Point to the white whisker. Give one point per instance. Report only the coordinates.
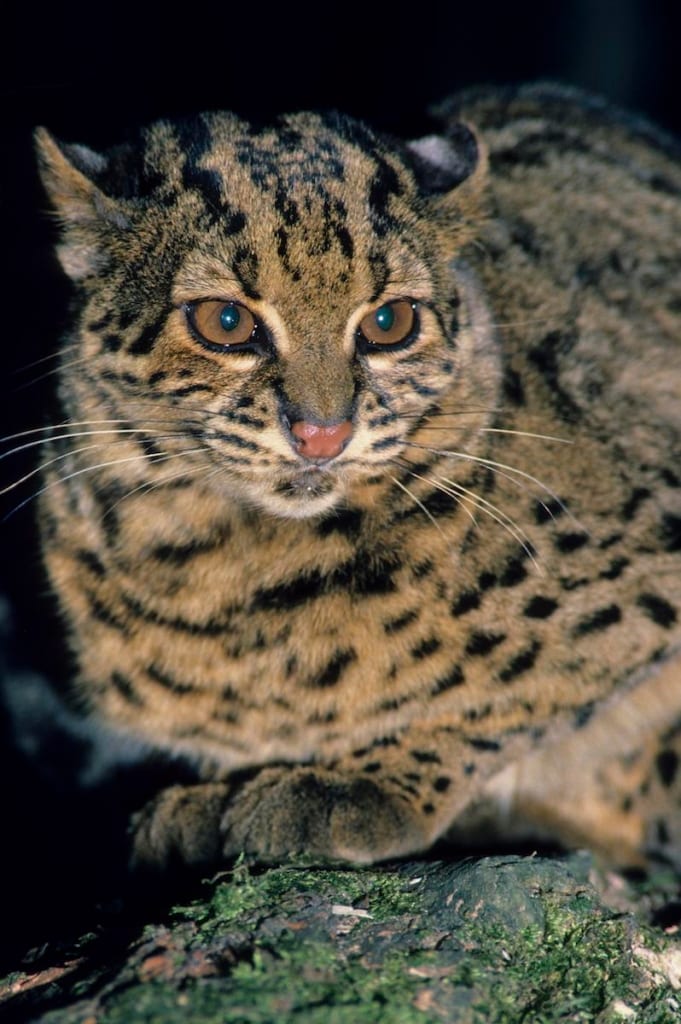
(160, 457)
(464, 494)
(501, 468)
(413, 497)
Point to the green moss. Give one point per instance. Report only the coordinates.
(491, 941)
(245, 893)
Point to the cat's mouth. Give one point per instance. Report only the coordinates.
(311, 482)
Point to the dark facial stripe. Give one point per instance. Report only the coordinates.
(146, 340)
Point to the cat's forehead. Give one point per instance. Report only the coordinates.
(302, 166)
(307, 204)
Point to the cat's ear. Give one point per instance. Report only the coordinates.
(86, 213)
(452, 173)
(443, 162)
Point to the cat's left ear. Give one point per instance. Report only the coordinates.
(69, 174)
(452, 172)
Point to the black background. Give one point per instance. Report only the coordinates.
(91, 74)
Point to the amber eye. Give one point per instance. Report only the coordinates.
(221, 325)
(391, 325)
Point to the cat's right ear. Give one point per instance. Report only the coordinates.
(85, 212)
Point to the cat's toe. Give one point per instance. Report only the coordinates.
(180, 826)
(322, 814)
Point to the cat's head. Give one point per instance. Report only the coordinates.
(282, 298)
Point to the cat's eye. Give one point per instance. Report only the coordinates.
(222, 325)
(389, 326)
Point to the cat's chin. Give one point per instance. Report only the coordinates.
(303, 496)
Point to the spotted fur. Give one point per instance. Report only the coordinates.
(467, 619)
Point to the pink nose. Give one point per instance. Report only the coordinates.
(314, 442)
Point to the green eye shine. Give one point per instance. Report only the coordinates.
(391, 324)
(230, 318)
(385, 318)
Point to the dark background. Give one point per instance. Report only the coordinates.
(89, 76)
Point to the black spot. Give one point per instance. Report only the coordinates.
(454, 677)
(180, 554)
(245, 266)
(235, 222)
(540, 607)
(372, 767)
(422, 569)
(291, 666)
(190, 389)
(289, 593)
(547, 511)
(212, 627)
(442, 784)
(156, 377)
(428, 808)
(486, 580)
(670, 532)
(513, 387)
(584, 714)
(111, 342)
(286, 207)
(615, 569)
(347, 522)
(520, 663)
(426, 756)
(483, 744)
(600, 619)
(384, 185)
(482, 643)
(466, 602)
(514, 571)
(332, 671)
(426, 647)
(393, 704)
(169, 682)
(123, 686)
(630, 507)
(146, 340)
(104, 615)
(395, 625)
(92, 562)
(567, 542)
(478, 714)
(364, 575)
(98, 325)
(656, 608)
(667, 766)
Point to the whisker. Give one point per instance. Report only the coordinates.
(160, 457)
(501, 468)
(49, 373)
(66, 424)
(501, 430)
(413, 497)
(78, 433)
(464, 494)
(151, 485)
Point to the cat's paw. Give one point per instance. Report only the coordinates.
(279, 813)
(321, 813)
(181, 826)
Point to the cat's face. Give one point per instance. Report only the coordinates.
(276, 305)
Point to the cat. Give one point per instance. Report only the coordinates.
(366, 496)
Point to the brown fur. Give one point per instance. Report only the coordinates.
(402, 643)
